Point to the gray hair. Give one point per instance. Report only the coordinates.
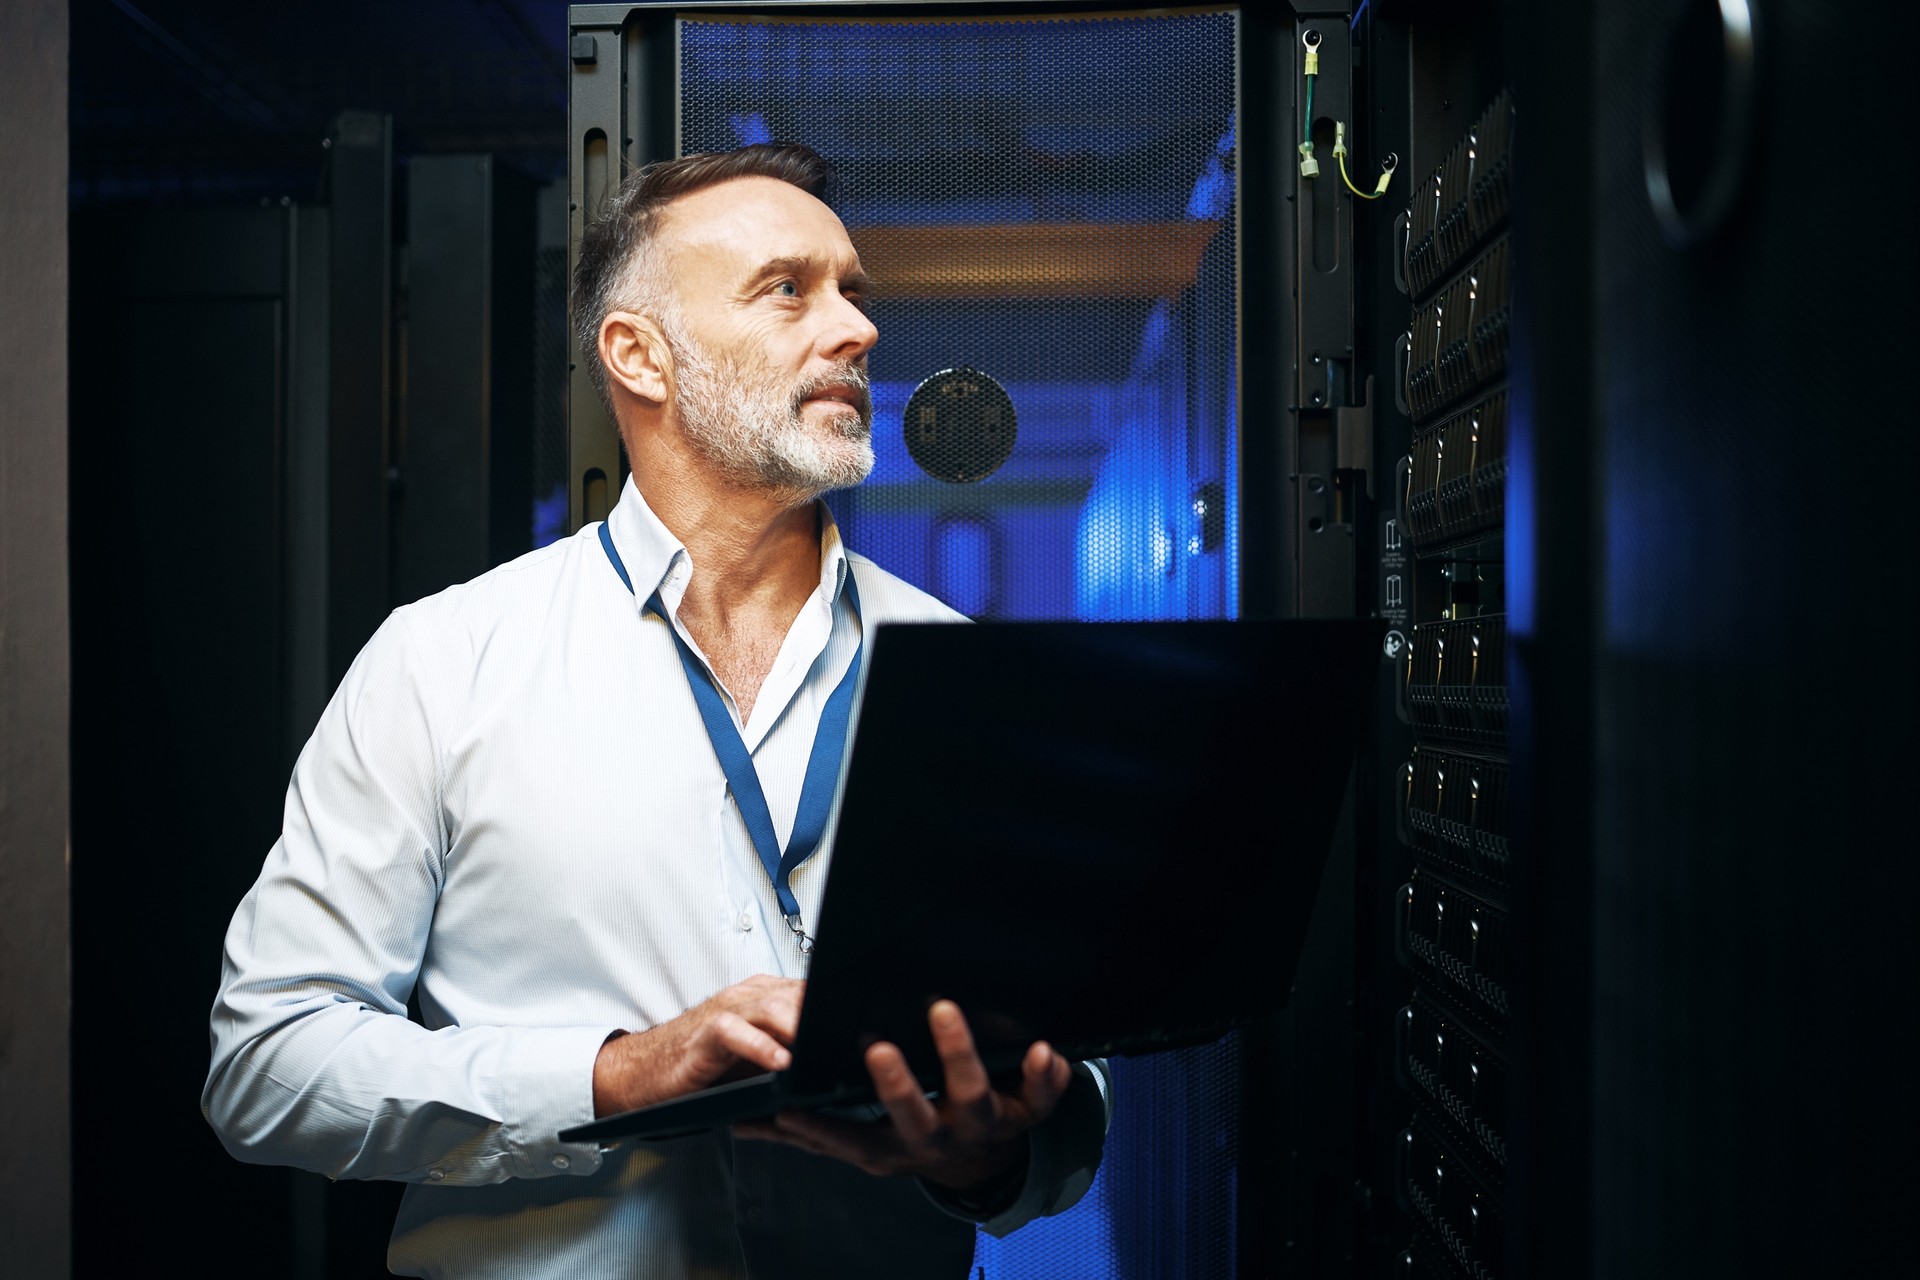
(618, 268)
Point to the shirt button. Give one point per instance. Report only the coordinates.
(746, 922)
(561, 1162)
(435, 1175)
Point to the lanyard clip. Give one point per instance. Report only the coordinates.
(800, 932)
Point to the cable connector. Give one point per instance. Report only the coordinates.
(1387, 167)
(1309, 167)
(1339, 139)
(1313, 59)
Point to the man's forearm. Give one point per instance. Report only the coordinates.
(751, 1022)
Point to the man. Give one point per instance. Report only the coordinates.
(511, 809)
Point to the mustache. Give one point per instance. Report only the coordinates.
(845, 374)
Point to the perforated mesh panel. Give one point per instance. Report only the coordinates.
(1048, 202)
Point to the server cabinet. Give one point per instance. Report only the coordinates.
(183, 526)
(464, 443)
(1745, 434)
(235, 471)
(1454, 914)
(1609, 1046)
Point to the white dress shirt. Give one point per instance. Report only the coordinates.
(511, 809)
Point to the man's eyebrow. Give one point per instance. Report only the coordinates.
(855, 280)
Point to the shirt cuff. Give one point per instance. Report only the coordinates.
(1063, 1154)
(551, 1070)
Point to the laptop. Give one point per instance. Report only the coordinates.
(1105, 835)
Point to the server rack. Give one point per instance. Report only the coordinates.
(1453, 915)
(1614, 475)
(1395, 348)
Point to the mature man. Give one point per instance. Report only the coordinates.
(511, 810)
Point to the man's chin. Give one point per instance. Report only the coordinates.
(798, 483)
(840, 450)
(853, 466)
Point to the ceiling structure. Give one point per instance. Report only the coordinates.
(189, 101)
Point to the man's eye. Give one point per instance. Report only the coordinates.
(787, 289)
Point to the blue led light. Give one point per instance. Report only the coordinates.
(1522, 550)
(965, 563)
(550, 517)
(1213, 193)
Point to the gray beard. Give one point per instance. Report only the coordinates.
(748, 425)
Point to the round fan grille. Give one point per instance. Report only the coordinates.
(959, 426)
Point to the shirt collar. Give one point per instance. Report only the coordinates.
(833, 557)
(658, 561)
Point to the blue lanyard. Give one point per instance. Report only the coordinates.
(823, 765)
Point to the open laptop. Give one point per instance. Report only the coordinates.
(1104, 835)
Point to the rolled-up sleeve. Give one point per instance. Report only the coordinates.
(315, 1061)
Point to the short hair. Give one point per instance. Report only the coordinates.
(617, 269)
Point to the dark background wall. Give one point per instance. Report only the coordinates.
(34, 1166)
(284, 451)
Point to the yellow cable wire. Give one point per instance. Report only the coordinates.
(1340, 155)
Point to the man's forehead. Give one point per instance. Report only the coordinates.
(750, 221)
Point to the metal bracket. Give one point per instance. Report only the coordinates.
(1353, 435)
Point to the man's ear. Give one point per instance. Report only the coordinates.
(635, 354)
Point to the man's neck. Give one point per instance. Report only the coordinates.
(750, 544)
(756, 561)
(751, 552)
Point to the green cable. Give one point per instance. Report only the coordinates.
(1306, 125)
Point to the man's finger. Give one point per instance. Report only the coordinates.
(772, 1004)
(914, 1118)
(967, 1084)
(1045, 1076)
(778, 1018)
(749, 1043)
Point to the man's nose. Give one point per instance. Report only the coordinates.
(850, 333)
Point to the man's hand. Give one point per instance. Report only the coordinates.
(971, 1136)
(751, 1022)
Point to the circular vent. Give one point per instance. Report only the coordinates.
(959, 426)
